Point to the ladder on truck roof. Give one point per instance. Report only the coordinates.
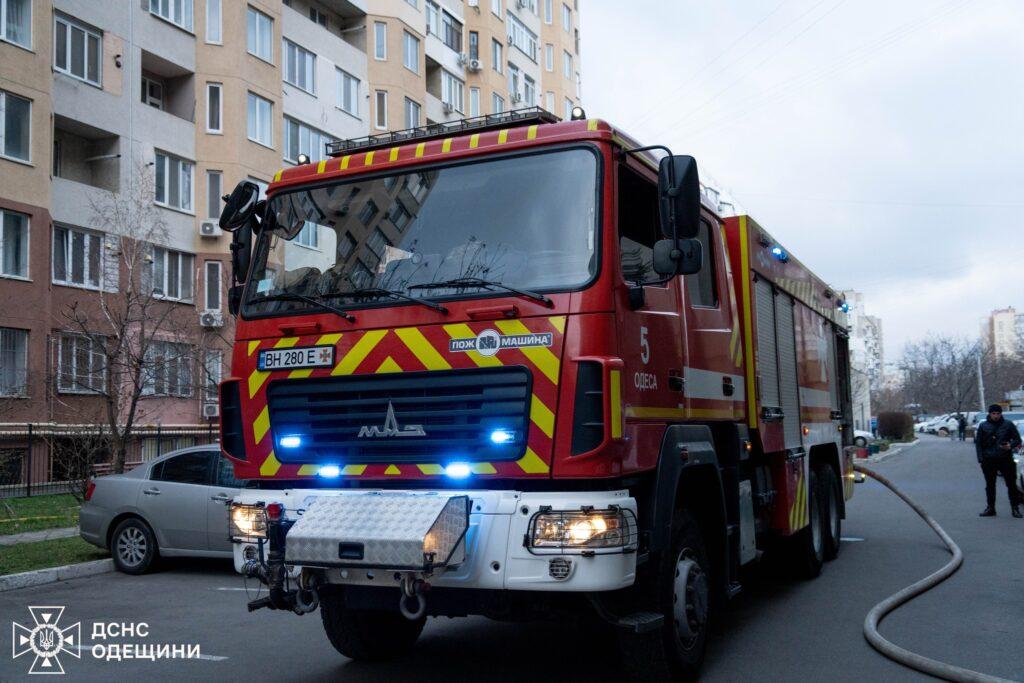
(476, 124)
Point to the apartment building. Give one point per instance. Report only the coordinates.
(170, 103)
(1003, 331)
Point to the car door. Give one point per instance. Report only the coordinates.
(174, 500)
(225, 487)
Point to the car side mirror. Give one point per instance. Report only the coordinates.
(240, 206)
(684, 258)
(679, 196)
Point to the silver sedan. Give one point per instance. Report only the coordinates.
(174, 506)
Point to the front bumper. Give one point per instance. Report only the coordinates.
(496, 556)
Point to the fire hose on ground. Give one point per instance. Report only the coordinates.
(933, 667)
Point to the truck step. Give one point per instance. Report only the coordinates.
(642, 622)
(733, 589)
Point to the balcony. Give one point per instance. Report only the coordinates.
(308, 25)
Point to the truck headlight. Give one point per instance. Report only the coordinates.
(247, 522)
(583, 529)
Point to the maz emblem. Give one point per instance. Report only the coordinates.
(391, 427)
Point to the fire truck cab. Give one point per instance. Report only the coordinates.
(519, 367)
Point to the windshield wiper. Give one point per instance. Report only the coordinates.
(363, 292)
(487, 284)
(292, 296)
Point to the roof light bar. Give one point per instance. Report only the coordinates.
(509, 119)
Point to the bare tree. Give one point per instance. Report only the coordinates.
(940, 373)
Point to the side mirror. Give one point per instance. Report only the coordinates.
(679, 196)
(241, 254)
(240, 206)
(686, 258)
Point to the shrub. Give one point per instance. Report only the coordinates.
(895, 426)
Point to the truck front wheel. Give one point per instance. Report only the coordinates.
(366, 635)
(807, 546)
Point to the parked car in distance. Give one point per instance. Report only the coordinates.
(175, 505)
(862, 438)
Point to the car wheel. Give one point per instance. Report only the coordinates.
(133, 547)
(860, 442)
(808, 545)
(366, 635)
(833, 522)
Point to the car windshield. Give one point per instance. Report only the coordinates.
(525, 222)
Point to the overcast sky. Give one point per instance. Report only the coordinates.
(882, 141)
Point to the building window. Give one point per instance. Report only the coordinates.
(16, 22)
(174, 181)
(497, 103)
(77, 257)
(260, 35)
(348, 93)
(399, 216)
(309, 236)
(381, 106)
(168, 369)
(576, 40)
(532, 6)
(302, 139)
(549, 101)
(513, 83)
(549, 57)
(211, 285)
(413, 3)
(568, 109)
(175, 11)
(13, 361)
(444, 26)
(497, 62)
(474, 101)
(77, 50)
(213, 107)
(496, 7)
(172, 274)
(213, 22)
(380, 40)
(13, 244)
(213, 370)
(317, 17)
(523, 38)
(213, 191)
(81, 365)
(15, 124)
(548, 11)
(529, 91)
(411, 52)
(368, 211)
(258, 118)
(412, 113)
(566, 18)
(299, 67)
(152, 92)
(451, 91)
(474, 45)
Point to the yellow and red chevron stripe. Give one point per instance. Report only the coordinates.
(407, 349)
(798, 511)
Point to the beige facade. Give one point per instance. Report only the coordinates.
(1003, 331)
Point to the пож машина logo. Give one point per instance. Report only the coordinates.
(46, 640)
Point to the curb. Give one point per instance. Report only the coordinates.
(893, 451)
(40, 577)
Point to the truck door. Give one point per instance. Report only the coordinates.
(649, 332)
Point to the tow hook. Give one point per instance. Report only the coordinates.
(307, 598)
(412, 604)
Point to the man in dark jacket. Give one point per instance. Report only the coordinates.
(995, 441)
(961, 425)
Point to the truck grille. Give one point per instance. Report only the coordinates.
(418, 417)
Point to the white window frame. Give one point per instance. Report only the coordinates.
(344, 81)
(20, 371)
(568, 108)
(566, 18)
(3, 24)
(219, 87)
(453, 90)
(474, 101)
(186, 12)
(73, 387)
(315, 15)
(496, 7)
(26, 229)
(497, 103)
(165, 158)
(3, 121)
(378, 123)
(214, 17)
(316, 151)
(219, 267)
(529, 91)
(293, 57)
(411, 57)
(88, 236)
(182, 356)
(549, 12)
(412, 106)
(549, 57)
(147, 98)
(213, 199)
(549, 101)
(497, 55)
(260, 20)
(73, 24)
(522, 37)
(380, 33)
(566, 64)
(260, 119)
(213, 374)
(186, 266)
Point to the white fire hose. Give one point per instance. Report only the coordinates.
(894, 652)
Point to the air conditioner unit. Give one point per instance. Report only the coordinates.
(474, 65)
(472, 3)
(211, 410)
(515, 97)
(448, 109)
(211, 319)
(463, 58)
(210, 229)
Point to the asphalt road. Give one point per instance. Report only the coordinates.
(775, 630)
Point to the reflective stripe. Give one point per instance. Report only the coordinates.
(422, 349)
(502, 136)
(531, 132)
(258, 377)
(474, 140)
(558, 322)
(592, 124)
(253, 345)
(615, 380)
(261, 425)
(446, 146)
(531, 463)
(391, 470)
(542, 416)
(420, 147)
(344, 161)
(277, 176)
(321, 166)
(308, 470)
(540, 356)
(389, 365)
(747, 322)
(368, 161)
(359, 352)
(270, 466)
(394, 154)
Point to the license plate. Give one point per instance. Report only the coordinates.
(302, 357)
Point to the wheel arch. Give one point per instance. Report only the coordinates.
(122, 516)
(827, 455)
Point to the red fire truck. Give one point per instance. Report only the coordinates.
(520, 367)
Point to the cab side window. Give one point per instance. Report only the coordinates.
(703, 285)
(638, 226)
(226, 474)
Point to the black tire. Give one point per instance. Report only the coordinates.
(943, 432)
(670, 654)
(807, 550)
(860, 442)
(833, 522)
(133, 547)
(367, 635)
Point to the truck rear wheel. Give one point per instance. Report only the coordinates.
(833, 517)
(807, 546)
(682, 592)
(367, 635)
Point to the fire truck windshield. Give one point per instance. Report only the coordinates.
(527, 222)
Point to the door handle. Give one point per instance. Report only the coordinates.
(151, 492)
(220, 498)
(727, 387)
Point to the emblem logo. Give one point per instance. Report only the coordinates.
(390, 428)
(46, 640)
(489, 342)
